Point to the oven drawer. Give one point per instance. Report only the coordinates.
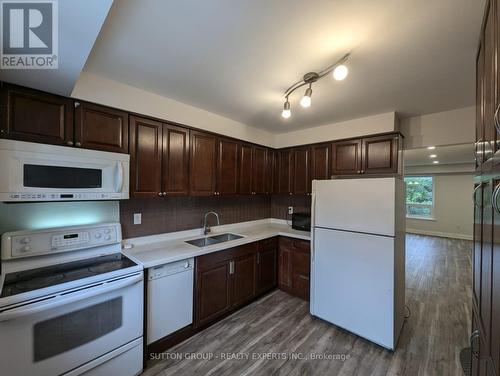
(56, 335)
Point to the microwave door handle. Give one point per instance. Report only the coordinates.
(102, 288)
(119, 177)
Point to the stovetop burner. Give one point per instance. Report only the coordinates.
(33, 279)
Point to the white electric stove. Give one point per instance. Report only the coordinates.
(70, 303)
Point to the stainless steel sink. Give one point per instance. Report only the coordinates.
(215, 239)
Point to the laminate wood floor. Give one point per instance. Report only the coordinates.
(438, 293)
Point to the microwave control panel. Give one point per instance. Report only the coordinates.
(25, 243)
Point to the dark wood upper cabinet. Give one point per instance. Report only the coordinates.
(227, 166)
(301, 170)
(284, 171)
(203, 164)
(320, 162)
(101, 128)
(380, 155)
(35, 116)
(346, 157)
(259, 164)
(175, 162)
(270, 171)
(489, 81)
(479, 108)
(145, 157)
(243, 271)
(246, 169)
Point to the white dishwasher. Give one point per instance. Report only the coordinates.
(170, 298)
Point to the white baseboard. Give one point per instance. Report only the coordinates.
(440, 234)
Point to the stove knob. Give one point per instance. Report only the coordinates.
(98, 235)
(186, 265)
(108, 237)
(26, 248)
(26, 240)
(107, 231)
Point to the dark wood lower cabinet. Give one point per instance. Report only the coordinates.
(231, 278)
(294, 267)
(244, 281)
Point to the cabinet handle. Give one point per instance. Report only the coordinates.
(495, 119)
(160, 194)
(474, 194)
(69, 143)
(362, 171)
(475, 335)
(164, 193)
(494, 198)
(77, 104)
(78, 144)
(231, 267)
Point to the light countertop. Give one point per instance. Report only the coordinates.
(160, 249)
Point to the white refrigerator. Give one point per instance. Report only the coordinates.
(358, 256)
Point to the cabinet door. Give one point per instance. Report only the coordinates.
(175, 161)
(478, 236)
(34, 116)
(486, 265)
(266, 269)
(259, 170)
(320, 162)
(301, 262)
(380, 155)
(203, 164)
(101, 128)
(270, 171)
(489, 81)
(227, 166)
(284, 171)
(495, 293)
(285, 264)
(243, 279)
(145, 157)
(246, 169)
(212, 292)
(346, 157)
(479, 108)
(301, 173)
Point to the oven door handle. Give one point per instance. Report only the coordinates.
(71, 297)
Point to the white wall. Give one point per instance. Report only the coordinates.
(442, 128)
(386, 122)
(101, 90)
(453, 210)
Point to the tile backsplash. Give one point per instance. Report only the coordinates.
(184, 213)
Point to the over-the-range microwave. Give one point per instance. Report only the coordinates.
(39, 172)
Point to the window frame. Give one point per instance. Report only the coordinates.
(429, 217)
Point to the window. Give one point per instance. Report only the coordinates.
(419, 196)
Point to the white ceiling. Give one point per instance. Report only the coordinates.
(236, 58)
(452, 154)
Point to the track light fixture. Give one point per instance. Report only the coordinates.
(340, 72)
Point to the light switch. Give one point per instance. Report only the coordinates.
(137, 218)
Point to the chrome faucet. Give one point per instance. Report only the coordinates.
(206, 226)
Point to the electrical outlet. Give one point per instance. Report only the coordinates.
(137, 218)
(290, 210)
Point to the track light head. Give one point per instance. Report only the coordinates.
(306, 99)
(286, 110)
